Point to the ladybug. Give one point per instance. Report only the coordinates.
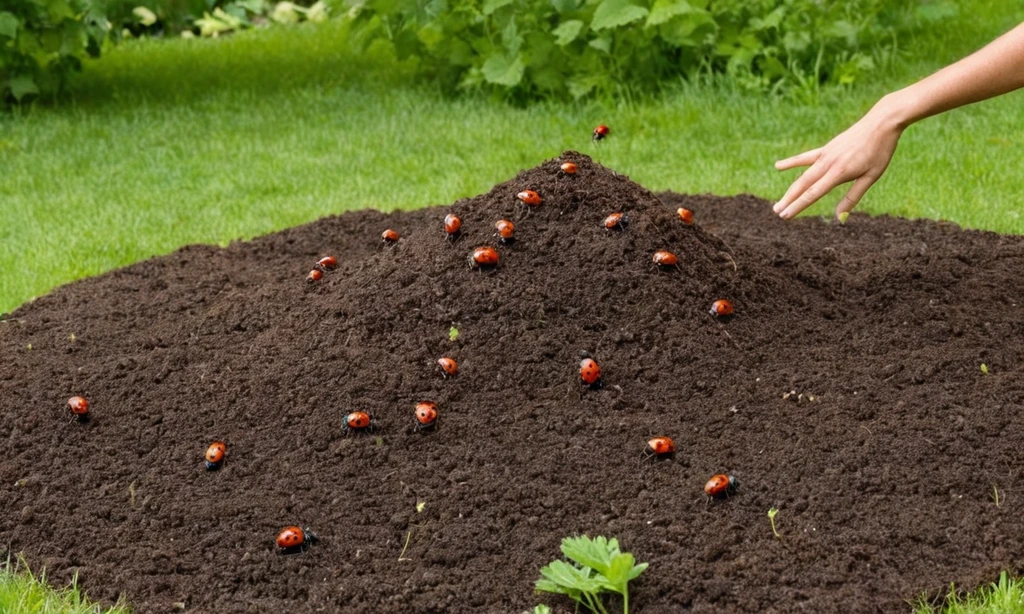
(720, 485)
(483, 256)
(616, 221)
(295, 539)
(600, 132)
(721, 308)
(569, 168)
(452, 224)
(448, 366)
(529, 197)
(685, 214)
(357, 422)
(314, 276)
(79, 407)
(389, 236)
(660, 447)
(506, 231)
(426, 415)
(327, 263)
(663, 258)
(590, 373)
(215, 455)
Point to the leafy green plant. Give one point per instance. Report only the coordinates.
(43, 41)
(599, 567)
(575, 48)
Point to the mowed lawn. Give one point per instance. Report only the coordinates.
(171, 142)
(166, 143)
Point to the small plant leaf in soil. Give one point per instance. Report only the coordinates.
(600, 567)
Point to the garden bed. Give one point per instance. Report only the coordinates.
(847, 392)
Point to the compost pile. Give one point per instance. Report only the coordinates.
(847, 392)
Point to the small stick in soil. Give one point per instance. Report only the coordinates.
(401, 557)
(995, 495)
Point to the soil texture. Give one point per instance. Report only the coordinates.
(847, 392)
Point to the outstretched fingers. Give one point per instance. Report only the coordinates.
(805, 159)
(808, 197)
(856, 192)
(800, 186)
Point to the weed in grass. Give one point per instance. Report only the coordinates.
(1005, 596)
(24, 592)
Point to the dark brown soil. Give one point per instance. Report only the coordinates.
(847, 392)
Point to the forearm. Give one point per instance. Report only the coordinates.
(995, 69)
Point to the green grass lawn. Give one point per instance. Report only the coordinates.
(176, 142)
(167, 143)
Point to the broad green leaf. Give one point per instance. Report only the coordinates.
(567, 31)
(594, 553)
(431, 34)
(637, 570)
(663, 10)
(21, 86)
(253, 6)
(500, 70)
(581, 86)
(492, 5)
(616, 13)
(565, 6)
(8, 25)
(603, 43)
(619, 570)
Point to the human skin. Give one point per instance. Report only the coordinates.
(862, 153)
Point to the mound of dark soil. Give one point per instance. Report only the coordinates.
(847, 392)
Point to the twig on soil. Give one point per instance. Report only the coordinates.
(408, 535)
(131, 493)
(731, 261)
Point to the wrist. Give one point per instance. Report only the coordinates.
(896, 110)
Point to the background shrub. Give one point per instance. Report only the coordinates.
(42, 41)
(556, 48)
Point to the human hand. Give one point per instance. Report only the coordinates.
(861, 154)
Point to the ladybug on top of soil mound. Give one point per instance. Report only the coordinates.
(452, 225)
(79, 407)
(292, 540)
(721, 309)
(660, 447)
(483, 257)
(448, 366)
(616, 221)
(568, 168)
(530, 197)
(426, 415)
(506, 231)
(590, 372)
(685, 214)
(358, 422)
(720, 485)
(215, 455)
(665, 259)
(389, 236)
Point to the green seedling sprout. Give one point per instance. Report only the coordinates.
(845, 215)
(599, 567)
(541, 609)
(995, 494)
(420, 505)
(771, 517)
(984, 368)
(453, 334)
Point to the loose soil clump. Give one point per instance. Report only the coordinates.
(846, 391)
